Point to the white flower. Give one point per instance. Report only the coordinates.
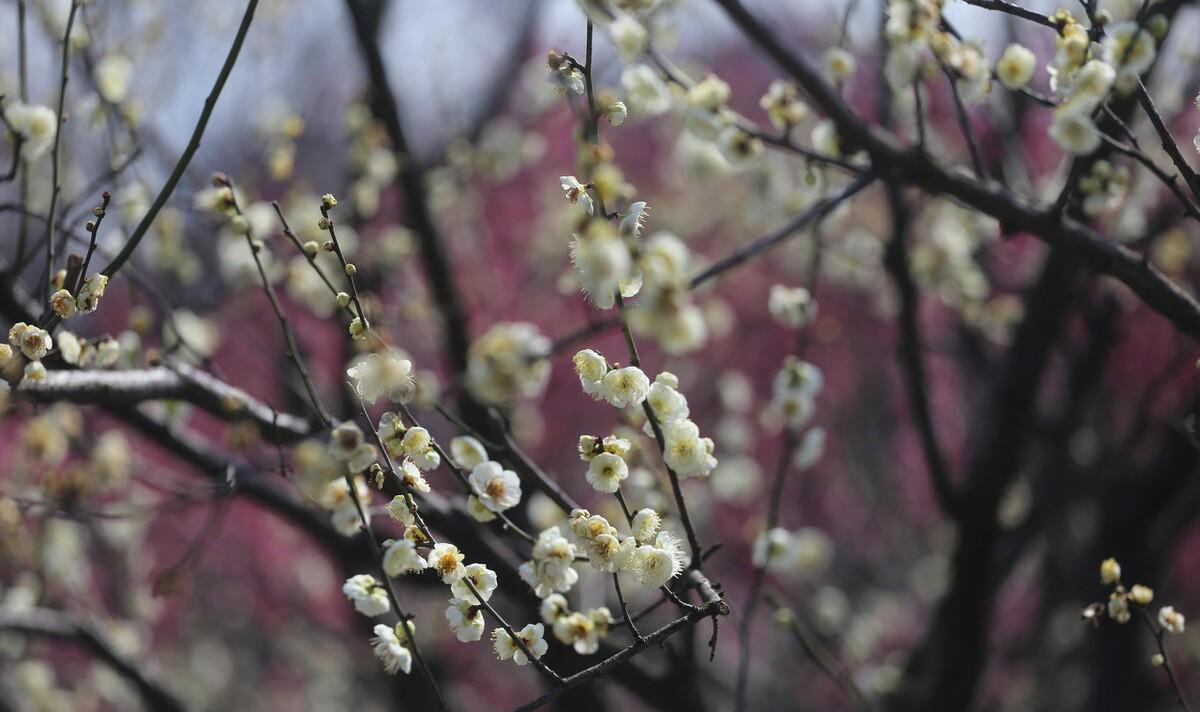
(825, 139)
(667, 403)
(531, 635)
(552, 567)
(1075, 132)
(35, 371)
(112, 75)
(1129, 47)
(553, 607)
(399, 510)
(507, 362)
(478, 511)
(645, 525)
(346, 444)
(629, 37)
(466, 620)
(36, 125)
(579, 631)
(791, 306)
(390, 650)
(369, 597)
(839, 64)
(417, 445)
(783, 105)
(812, 446)
(90, 292)
(467, 452)
(1170, 619)
(615, 113)
(1015, 67)
(481, 577)
(35, 343)
(591, 368)
(576, 193)
(400, 557)
(645, 92)
(1110, 571)
(1118, 608)
(710, 93)
(604, 264)
(411, 476)
(688, 454)
(498, 489)
(606, 471)
(624, 387)
(656, 564)
(69, 347)
(63, 303)
(447, 560)
(387, 374)
(806, 552)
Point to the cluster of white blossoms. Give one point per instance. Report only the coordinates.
(652, 556)
(582, 631)
(36, 125)
(623, 387)
(508, 362)
(1104, 188)
(606, 459)
(337, 498)
(382, 374)
(792, 306)
(912, 27)
(602, 255)
(346, 444)
(33, 343)
(806, 552)
(552, 568)
(685, 451)
(1122, 599)
(665, 310)
(414, 444)
(86, 301)
(943, 259)
(794, 391)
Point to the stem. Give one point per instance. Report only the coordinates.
(193, 145)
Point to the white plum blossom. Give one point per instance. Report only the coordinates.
(685, 452)
(532, 636)
(656, 564)
(591, 368)
(624, 387)
(791, 306)
(498, 489)
(466, 620)
(390, 650)
(629, 37)
(606, 471)
(447, 561)
(377, 375)
(645, 93)
(552, 566)
(400, 557)
(480, 577)
(369, 597)
(35, 124)
(467, 452)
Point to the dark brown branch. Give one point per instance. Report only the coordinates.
(615, 661)
(210, 102)
(916, 380)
